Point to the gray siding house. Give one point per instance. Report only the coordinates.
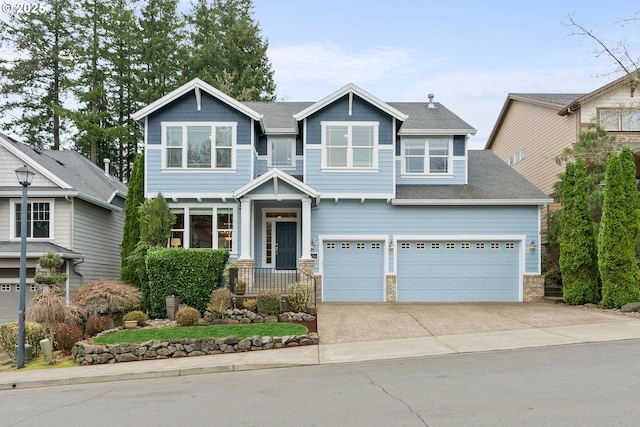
(379, 201)
(75, 209)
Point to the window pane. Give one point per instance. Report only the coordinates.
(415, 164)
(199, 147)
(225, 227)
(223, 136)
(438, 165)
(201, 228)
(281, 153)
(631, 120)
(174, 157)
(609, 120)
(362, 157)
(337, 136)
(223, 157)
(439, 148)
(40, 220)
(174, 136)
(362, 136)
(336, 157)
(414, 148)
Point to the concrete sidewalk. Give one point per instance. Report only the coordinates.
(362, 332)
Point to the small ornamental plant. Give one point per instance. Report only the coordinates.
(187, 316)
(136, 315)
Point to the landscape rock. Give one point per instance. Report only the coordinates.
(631, 307)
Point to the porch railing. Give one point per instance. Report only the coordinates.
(256, 280)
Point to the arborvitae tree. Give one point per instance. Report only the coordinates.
(227, 50)
(616, 258)
(131, 234)
(34, 83)
(578, 258)
(628, 165)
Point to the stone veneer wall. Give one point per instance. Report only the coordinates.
(391, 288)
(533, 288)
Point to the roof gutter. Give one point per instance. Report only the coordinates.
(470, 202)
(422, 132)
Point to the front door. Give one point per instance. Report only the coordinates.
(286, 245)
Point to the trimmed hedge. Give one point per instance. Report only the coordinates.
(191, 274)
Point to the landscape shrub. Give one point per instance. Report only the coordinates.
(190, 274)
(49, 307)
(187, 316)
(106, 296)
(250, 304)
(66, 335)
(96, 324)
(221, 300)
(269, 302)
(299, 295)
(136, 315)
(33, 334)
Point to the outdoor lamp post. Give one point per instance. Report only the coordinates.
(25, 176)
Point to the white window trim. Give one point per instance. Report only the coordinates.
(620, 113)
(12, 220)
(214, 238)
(292, 152)
(184, 125)
(349, 167)
(450, 156)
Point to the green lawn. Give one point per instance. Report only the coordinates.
(195, 332)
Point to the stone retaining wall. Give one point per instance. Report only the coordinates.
(85, 353)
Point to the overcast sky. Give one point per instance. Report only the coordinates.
(470, 54)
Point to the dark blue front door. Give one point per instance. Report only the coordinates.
(285, 245)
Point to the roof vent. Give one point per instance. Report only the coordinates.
(431, 104)
(106, 166)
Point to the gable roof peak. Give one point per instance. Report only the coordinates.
(349, 89)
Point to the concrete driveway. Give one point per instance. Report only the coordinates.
(414, 329)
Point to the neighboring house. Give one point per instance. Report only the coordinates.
(380, 201)
(532, 129)
(75, 209)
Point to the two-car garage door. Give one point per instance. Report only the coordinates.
(454, 271)
(427, 271)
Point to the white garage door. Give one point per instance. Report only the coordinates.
(353, 271)
(453, 271)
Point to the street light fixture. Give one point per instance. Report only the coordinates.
(25, 177)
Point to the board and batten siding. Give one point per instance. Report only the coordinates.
(98, 236)
(184, 109)
(350, 217)
(543, 134)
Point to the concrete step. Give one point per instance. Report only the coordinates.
(553, 300)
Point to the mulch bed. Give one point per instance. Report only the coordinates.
(311, 325)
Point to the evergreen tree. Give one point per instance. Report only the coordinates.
(616, 258)
(578, 258)
(131, 234)
(162, 53)
(227, 50)
(628, 165)
(34, 83)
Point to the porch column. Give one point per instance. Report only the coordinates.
(245, 227)
(306, 228)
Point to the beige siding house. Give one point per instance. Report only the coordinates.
(74, 209)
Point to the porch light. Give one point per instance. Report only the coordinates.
(391, 246)
(312, 246)
(532, 246)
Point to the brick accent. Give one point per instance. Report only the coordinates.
(533, 288)
(391, 290)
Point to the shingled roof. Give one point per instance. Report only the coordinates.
(491, 181)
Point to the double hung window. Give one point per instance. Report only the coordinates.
(202, 228)
(426, 156)
(350, 145)
(39, 220)
(199, 145)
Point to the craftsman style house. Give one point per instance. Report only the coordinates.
(74, 209)
(378, 201)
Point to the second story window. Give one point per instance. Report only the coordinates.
(426, 156)
(620, 120)
(199, 145)
(39, 220)
(282, 152)
(350, 145)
